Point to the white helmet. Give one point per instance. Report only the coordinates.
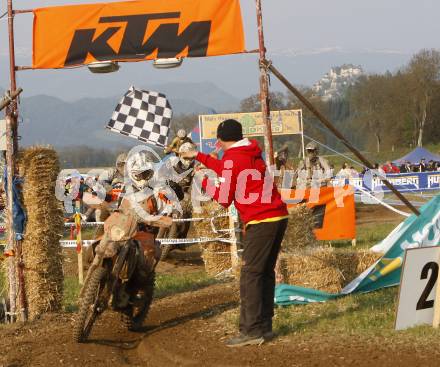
(140, 169)
(186, 147)
(181, 133)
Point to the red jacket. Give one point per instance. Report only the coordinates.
(244, 171)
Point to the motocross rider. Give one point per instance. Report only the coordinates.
(112, 178)
(177, 142)
(184, 168)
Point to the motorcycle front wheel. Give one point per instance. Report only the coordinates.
(91, 305)
(134, 316)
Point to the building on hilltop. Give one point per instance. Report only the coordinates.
(334, 83)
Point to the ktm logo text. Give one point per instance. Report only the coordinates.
(165, 39)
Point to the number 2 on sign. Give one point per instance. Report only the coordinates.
(423, 303)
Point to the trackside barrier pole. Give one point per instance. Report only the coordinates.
(79, 242)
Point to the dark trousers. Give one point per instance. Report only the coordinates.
(261, 245)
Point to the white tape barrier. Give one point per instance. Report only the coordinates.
(96, 224)
(72, 243)
(165, 241)
(84, 224)
(179, 241)
(383, 203)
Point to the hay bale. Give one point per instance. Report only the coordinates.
(41, 249)
(299, 232)
(216, 255)
(325, 268)
(211, 209)
(314, 268)
(352, 262)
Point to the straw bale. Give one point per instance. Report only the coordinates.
(216, 255)
(325, 268)
(299, 233)
(211, 209)
(352, 262)
(41, 250)
(314, 268)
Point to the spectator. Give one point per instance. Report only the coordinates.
(390, 168)
(379, 169)
(353, 172)
(406, 167)
(422, 166)
(344, 172)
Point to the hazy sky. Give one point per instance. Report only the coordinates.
(402, 25)
(293, 27)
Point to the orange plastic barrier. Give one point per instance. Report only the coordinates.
(337, 206)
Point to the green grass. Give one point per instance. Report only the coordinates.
(166, 285)
(367, 235)
(370, 314)
(71, 292)
(366, 313)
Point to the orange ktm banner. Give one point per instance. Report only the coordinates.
(66, 36)
(333, 209)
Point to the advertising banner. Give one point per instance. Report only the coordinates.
(66, 36)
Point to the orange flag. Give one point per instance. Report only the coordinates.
(66, 36)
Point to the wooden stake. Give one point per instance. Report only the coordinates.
(79, 242)
(10, 168)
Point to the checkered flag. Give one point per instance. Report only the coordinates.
(143, 115)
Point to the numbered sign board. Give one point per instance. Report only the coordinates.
(418, 287)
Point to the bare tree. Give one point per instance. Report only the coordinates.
(424, 73)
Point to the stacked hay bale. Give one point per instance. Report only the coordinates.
(216, 255)
(299, 232)
(304, 263)
(325, 268)
(352, 262)
(41, 249)
(315, 268)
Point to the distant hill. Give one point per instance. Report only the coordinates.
(206, 94)
(50, 120)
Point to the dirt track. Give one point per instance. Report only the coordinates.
(186, 330)
(189, 329)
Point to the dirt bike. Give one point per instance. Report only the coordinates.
(122, 274)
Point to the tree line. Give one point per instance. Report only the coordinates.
(378, 112)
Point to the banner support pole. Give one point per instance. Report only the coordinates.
(336, 132)
(264, 89)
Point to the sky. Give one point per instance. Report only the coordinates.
(294, 29)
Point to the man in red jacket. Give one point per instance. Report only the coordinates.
(244, 180)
